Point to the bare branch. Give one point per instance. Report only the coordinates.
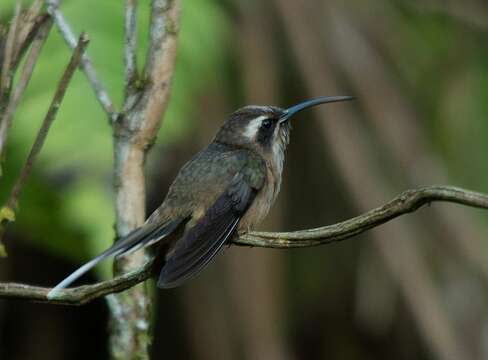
(407, 202)
(86, 64)
(25, 75)
(48, 119)
(30, 20)
(10, 49)
(148, 110)
(79, 295)
(130, 45)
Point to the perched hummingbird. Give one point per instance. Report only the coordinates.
(227, 187)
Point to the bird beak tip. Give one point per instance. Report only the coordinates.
(287, 113)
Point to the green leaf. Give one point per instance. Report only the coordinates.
(7, 214)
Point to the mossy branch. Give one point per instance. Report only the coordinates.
(407, 202)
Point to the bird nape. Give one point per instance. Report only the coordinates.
(227, 187)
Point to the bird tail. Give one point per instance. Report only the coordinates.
(146, 235)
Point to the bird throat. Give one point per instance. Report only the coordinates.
(278, 154)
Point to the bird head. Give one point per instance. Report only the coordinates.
(262, 127)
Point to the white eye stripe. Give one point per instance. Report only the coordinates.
(253, 127)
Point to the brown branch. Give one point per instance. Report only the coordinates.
(6, 72)
(130, 45)
(79, 295)
(23, 27)
(144, 114)
(24, 78)
(48, 119)
(30, 20)
(407, 202)
(7, 211)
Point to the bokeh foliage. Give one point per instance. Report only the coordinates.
(74, 216)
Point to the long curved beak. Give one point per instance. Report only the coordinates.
(288, 113)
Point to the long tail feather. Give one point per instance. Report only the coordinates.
(146, 235)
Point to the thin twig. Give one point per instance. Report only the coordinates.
(48, 119)
(158, 71)
(130, 45)
(86, 64)
(79, 295)
(407, 202)
(25, 75)
(10, 49)
(30, 20)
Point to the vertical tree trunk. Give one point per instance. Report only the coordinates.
(130, 310)
(134, 132)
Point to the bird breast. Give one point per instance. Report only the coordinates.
(267, 195)
(259, 208)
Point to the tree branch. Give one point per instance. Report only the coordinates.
(30, 21)
(86, 64)
(407, 202)
(130, 45)
(79, 295)
(6, 73)
(144, 117)
(24, 78)
(7, 212)
(49, 118)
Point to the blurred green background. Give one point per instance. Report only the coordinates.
(412, 289)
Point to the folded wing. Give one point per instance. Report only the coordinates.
(201, 243)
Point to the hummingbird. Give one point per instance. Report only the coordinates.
(226, 188)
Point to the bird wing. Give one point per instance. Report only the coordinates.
(202, 242)
(143, 236)
(240, 172)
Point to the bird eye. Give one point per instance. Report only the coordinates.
(266, 123)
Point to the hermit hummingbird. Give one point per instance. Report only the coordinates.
(226, 188)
